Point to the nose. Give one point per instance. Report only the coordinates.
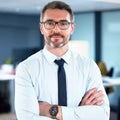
(56, 27)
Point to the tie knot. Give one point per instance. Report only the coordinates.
(59, 62)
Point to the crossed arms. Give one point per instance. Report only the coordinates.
(92, 97)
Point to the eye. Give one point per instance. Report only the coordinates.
(63, 23)
(50, 23)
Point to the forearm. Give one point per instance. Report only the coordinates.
(45, 107)
(85, 113)
(94, 105)
(91, 112)
(82, 113)
(27, 115)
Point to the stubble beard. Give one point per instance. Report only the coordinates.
(51, 43)
(55, 46)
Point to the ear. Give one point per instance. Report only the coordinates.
(72, 28)
(41, 28)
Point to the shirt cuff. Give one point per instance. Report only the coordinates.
(67, 113)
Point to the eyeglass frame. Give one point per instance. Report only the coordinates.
(58, 24)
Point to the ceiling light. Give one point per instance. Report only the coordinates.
(109, 1)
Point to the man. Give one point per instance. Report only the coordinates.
(37, 81)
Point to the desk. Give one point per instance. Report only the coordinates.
(109, 81)
(10, 78)
(4, 77)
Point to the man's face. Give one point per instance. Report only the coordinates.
(56, 37)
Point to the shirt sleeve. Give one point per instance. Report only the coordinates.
(90, 112)
(26, 102)
(85, 113)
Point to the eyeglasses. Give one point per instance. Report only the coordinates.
(63, 25)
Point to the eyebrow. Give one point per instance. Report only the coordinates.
(57, 21)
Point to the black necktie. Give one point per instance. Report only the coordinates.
(62, 95)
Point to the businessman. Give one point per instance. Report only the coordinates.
(57, 83)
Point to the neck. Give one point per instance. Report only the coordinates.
(57, 51)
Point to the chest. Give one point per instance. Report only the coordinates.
(47, 85)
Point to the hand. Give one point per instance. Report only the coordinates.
(93, 97)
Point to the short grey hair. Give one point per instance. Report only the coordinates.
(57, 5)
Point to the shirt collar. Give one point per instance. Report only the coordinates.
(51, 57)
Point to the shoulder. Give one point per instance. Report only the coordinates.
(79, 57)
(83, 61)
(32, 61)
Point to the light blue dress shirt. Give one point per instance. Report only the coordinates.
(36, 80)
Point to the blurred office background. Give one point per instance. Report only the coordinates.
(98, 25)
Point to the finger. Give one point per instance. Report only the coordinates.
(96, 95)
(99, 103)
(87, 95)
(87, 102)
(98, 100)
(95, 98)
(95, 101)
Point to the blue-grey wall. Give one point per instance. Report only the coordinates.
(17, 31)
(111, 38)
(85, 30)
(111, 47)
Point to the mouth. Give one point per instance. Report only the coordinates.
(57, 36)
(56, 40)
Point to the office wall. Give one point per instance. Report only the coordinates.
(20, 30)
(17, 31)
(85, 30)
(111, 47)
(111, 38)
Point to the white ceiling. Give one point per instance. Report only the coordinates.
(35, 6)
